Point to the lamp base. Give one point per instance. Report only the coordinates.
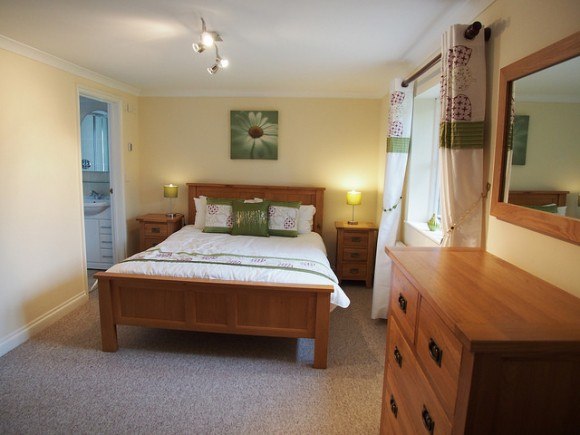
(352, 222)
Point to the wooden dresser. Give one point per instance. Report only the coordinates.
(356, 245)
(478, 346)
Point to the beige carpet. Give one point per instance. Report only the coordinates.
(194, 383)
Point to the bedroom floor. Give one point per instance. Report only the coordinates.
(163, 381)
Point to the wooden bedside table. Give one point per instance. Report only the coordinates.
(355, 251)
(155, 228)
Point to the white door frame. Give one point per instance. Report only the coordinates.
(116, 168)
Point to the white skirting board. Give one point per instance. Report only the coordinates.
(21, 335)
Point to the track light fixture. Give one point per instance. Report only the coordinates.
(206, 40)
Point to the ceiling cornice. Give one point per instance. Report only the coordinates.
(48, 59)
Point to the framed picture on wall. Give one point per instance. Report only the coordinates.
(254, 134)
(520, 140)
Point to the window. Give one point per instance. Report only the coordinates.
(422, 187)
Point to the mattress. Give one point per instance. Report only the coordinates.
(191, 253)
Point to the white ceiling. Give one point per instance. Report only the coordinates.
(331, 48)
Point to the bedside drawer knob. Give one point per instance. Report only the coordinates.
(353, 270)
(402, 303)
(427, 420)
(435, 352)
(355, 255)
(394, 407)
(398, 357)
(156, 230)
(357, 239)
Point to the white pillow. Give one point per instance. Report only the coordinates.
(562, 210)
(200, 211)
(306, 219)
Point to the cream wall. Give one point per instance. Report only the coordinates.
(41, 268)
(519, 28)
(329, 143)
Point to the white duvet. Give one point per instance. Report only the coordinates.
(190, 253)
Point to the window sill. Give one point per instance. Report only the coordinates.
(421, 227)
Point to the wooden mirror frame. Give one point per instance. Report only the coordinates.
(561, 227)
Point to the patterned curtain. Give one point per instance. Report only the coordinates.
(398, 140)
(461, 137)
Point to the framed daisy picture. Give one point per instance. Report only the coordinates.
(254, 134)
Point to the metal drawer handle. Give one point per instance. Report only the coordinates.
(398, 357)
(435, 352)
(403, 303)
(355, 255)
(352, 270)
(356, 239)
(156, 230)
(427, 420)
(394, 407)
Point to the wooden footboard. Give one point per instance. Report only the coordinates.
(232, 307)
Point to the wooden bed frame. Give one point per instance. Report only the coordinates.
(538, 197)
(232, 307)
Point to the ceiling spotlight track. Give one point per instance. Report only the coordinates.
(206, 40)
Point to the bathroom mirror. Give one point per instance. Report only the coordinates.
(536, 172)
(95, 142)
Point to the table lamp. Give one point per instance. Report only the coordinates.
(353, 198)
(170, 191)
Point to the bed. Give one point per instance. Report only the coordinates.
(295, 310)
(540, 199)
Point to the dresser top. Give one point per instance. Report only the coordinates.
(488, 301)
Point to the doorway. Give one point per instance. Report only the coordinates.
(102, 175)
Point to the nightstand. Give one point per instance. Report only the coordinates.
(355, 251)
(155, 228)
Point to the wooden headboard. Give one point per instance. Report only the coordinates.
(306, 195)
(538, 197)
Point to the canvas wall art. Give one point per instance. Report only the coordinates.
(254, 134)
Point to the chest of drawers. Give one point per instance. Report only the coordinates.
(478, 346)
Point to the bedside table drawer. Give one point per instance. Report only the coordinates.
(149, 242)
(356, 239)
(156, 230)
(353, 254)
(354, 270)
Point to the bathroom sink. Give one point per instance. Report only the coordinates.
(95, 206)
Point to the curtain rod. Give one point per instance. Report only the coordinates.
(471, 32)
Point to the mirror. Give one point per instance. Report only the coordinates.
(537, 156)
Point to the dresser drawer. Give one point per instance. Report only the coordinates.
(155, 230)
(395, 417)
(356, 239)
(404, 301)
(354, 271)
(440, 352)
(353, 254)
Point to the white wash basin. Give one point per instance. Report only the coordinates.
(95, 206)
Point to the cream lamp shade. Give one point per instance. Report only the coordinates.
(353, 198)
(170, 191)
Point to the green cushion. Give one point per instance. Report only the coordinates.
(550, 208)
(283, 218)
(219, 216)
(250, 219)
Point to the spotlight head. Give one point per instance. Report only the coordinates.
(207, 39)
(223, 63)
(198, 47)
(213, 69)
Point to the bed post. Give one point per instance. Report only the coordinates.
(321, 330)
(108, 327)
